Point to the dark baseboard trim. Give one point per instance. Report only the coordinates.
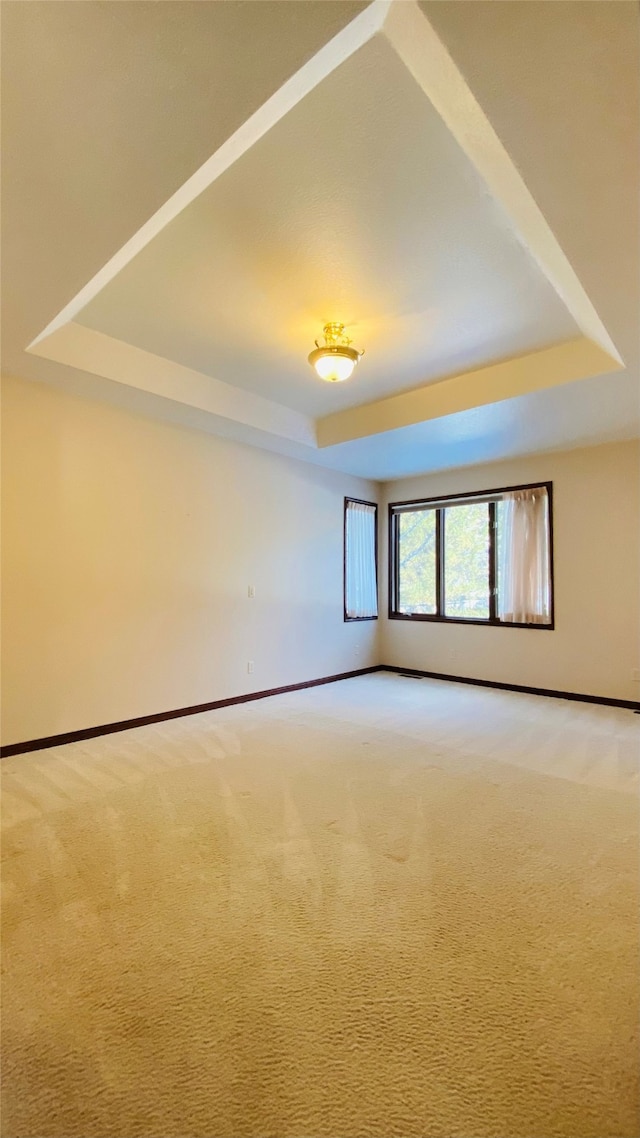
(632, 704)
(144, 720)
(249, 697)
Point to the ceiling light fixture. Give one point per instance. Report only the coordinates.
(335, 359)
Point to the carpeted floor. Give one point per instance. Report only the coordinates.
(385, 907)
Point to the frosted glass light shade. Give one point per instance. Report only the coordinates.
(333, 367)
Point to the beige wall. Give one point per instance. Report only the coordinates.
(594, 647)
(128, 547)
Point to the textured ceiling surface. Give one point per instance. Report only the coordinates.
(358, 206)
(108, 108)
(561, 84)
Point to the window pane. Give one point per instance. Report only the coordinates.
(417, 561)
(466, 561)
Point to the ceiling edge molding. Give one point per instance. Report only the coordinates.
(87, 350)
(424, 55)
(548, 367)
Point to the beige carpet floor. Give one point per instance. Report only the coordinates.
(385, 907)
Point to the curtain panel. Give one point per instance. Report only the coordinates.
(524, 563)
(361, 586)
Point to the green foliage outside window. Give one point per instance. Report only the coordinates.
(417, 576)
(466, 561)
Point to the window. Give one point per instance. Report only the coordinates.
(483, 558)
(360, 560)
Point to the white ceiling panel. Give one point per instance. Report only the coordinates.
(358, 206)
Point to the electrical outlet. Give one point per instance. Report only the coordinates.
(250, 666)
(635, 675)
(251, 591)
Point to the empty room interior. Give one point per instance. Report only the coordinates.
(320, 569)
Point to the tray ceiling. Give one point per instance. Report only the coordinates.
(370, 187)
(358, 205)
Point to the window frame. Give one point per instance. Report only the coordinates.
(438, 504)
(359, 502)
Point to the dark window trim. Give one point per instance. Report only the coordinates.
(491, 497)
(359, 502)
(493, 576)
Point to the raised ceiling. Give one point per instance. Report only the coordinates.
(371, 187)
(372, 215)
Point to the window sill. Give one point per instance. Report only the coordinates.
(469, 620)
(356, 619)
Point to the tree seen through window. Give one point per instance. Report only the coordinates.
(466, 561)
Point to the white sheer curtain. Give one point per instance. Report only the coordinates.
(361, 589)
(524, 572)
